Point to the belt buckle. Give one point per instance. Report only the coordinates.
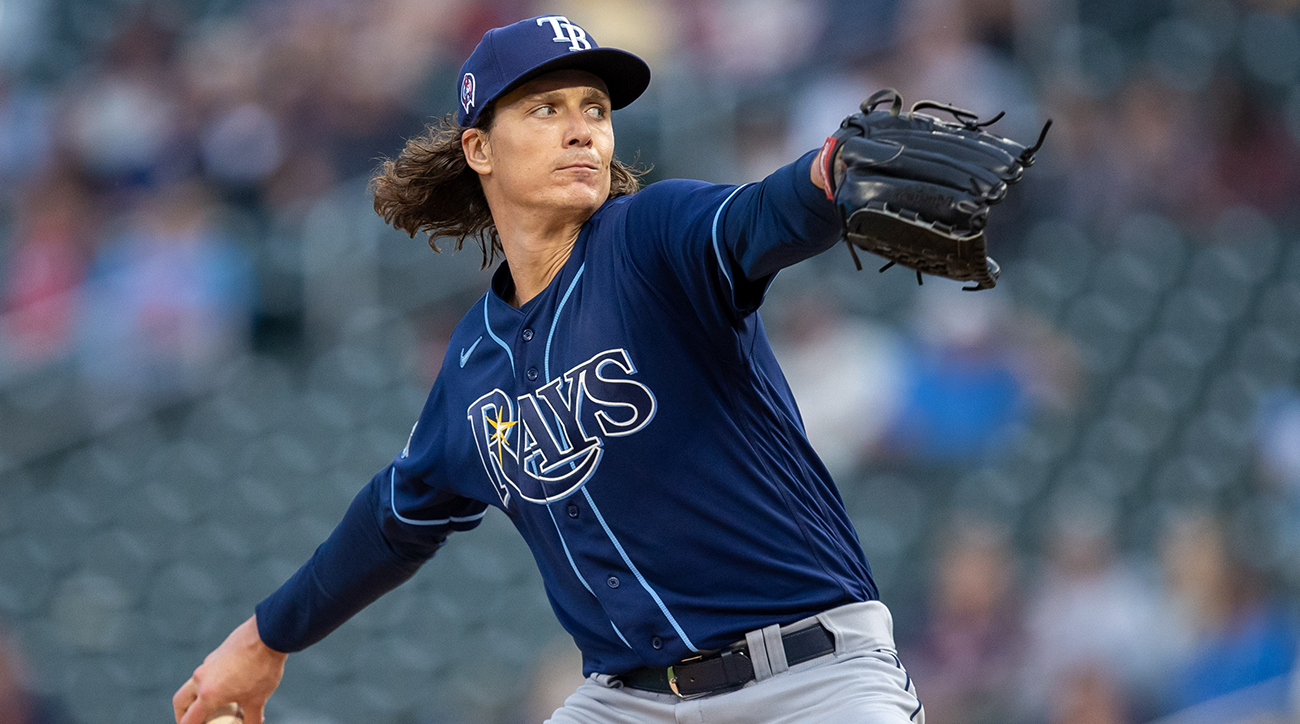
(672, 679)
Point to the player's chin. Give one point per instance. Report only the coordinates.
(579, 177)
(588, 193)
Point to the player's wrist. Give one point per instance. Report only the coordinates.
(253, 640)
(815, 171)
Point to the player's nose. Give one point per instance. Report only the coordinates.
(578, 133)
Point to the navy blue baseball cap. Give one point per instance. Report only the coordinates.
(510, 56)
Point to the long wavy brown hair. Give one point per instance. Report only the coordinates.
(430, 187)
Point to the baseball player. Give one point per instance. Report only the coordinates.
(615, 395)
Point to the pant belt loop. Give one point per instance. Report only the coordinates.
(775, 650)
(758, 655)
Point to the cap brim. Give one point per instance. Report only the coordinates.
(626, 76)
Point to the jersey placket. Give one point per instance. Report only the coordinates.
(617, 584)
(561, 508)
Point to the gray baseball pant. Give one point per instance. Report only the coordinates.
(863, 682)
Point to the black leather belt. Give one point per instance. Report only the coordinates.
(727, 669)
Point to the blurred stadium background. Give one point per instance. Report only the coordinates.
(1080, 492)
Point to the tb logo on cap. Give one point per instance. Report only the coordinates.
(567, 32)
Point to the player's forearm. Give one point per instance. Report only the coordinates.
(780, 221)
(353, 567)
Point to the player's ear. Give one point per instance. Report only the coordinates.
(474, 143)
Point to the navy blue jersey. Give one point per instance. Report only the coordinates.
(633, 423)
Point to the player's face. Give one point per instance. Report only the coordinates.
(550, 144)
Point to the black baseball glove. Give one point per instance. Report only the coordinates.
(916, 190)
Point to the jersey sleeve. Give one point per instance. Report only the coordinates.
(396, 523)
(724, 244)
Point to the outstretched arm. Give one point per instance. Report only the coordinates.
(721, 245)
(366, 556)
(373, 550)
(779, 221)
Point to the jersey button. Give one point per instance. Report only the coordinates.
(573, 510)
(528, 335)
(613, 581)
(656, 643)
(531, 373)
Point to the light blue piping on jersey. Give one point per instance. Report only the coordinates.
(494, 336)
(640, 578)
(392, 501)
(726, 268)
(574, 566)
(546, 360)
(620, 635)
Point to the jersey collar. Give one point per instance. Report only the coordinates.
(502, 287)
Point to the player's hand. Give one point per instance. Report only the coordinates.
(242, 669)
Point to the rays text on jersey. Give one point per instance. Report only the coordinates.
(544, 445)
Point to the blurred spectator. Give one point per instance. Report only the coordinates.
(1155, 155)
(1089, 694)
(168, 298)
(1097, 629)
(39, 303)
(940, 57)
(962, 392)
(243, 147)
(1160, 158)
(757, 38)
(1244, 634)
(969, 654)
(1258, 162)
(126, 121)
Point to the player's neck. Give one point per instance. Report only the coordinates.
(536, 251)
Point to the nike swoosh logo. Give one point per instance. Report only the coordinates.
(465, 353)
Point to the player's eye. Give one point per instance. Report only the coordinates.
(544, 111)
(597, 112)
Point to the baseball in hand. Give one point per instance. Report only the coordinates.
(228, 714)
